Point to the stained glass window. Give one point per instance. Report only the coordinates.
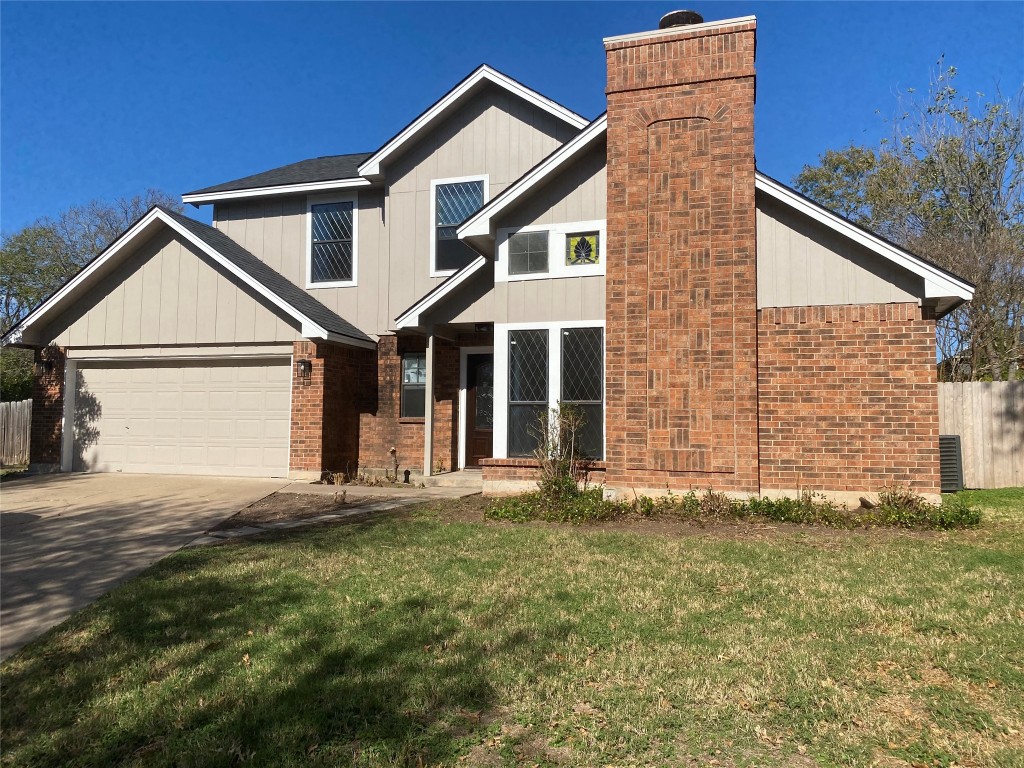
(331, 247)
(582, 248)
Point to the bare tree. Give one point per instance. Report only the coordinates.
(948, 185)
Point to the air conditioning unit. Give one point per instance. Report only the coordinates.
(951, 464)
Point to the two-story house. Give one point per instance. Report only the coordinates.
(499, 255)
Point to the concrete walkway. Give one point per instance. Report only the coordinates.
(67, 539)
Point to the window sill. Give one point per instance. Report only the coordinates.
(334, 284)
(411, 420)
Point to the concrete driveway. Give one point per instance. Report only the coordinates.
(67, 539)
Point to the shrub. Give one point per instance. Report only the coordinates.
(899, 507)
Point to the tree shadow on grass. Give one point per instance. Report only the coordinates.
(190, 666)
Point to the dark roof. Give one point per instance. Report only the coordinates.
(329, 168)
(268, 277)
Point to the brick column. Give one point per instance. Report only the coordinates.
(47, 409)
(326, 406)
(681, 299)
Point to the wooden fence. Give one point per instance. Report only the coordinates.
(989, 417)
(15, 427)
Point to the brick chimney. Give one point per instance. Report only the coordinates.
(681, 298)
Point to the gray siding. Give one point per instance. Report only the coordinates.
(802, 263)
(169, 293)
(493, 134)
(567, 298)
(579, 193)
(576, 194)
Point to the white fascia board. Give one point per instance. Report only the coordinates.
(480, 224)
(310, 329)
(411, 317)
(283, 189)
(14, 335)
(937, 283)
(707, 26)
(372, 165)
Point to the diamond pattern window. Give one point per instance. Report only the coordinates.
(453, 204)
(414, 381)
(527, 389)
(527, 253)
(582, 369)
(331, 251)
(582, 248)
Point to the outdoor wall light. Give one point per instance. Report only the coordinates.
(304, 368)
(44, 367)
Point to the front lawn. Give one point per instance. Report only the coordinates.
(435, 637)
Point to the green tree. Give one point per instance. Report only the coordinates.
(948, 185)
(36, 260)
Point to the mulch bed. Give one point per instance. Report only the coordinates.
(292, 506)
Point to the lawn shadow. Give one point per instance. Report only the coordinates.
(273, 671)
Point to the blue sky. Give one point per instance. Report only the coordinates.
(100, 100)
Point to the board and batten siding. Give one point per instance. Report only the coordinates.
(578, 193)
(169, 293)
(801, 263)
(493, 134)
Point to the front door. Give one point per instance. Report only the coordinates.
(479, 408)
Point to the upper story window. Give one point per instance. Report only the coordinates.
(527, 252)
(582, 249)
(573, 249)
(332, 243)
(454, 201)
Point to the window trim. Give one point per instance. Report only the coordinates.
(434, 184)
(402, 385)
(557, 235)
(501, 361)
(326, 200)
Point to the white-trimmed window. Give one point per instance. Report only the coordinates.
(452, 201)
(538, 366)
(331, 238)
(543, 251)
(414, 381)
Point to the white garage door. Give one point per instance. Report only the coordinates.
(195, 418)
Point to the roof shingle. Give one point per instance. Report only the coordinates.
(329, 168)
(269, 278)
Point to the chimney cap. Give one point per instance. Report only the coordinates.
(680, 19)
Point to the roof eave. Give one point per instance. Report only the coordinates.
(372, 167)
(313, 187)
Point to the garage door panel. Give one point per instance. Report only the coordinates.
(184, 417)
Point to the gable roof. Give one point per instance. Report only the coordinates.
(316, 174)
(316, 320)
(938, 282)
(321, 174)
(371, 167)
(481, 223)
(410, 318)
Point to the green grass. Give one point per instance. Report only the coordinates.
(416, 641)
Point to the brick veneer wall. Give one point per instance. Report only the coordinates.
(382, 428)
(326, 406)
(848, 398)
(681, 343)
(47, 409)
